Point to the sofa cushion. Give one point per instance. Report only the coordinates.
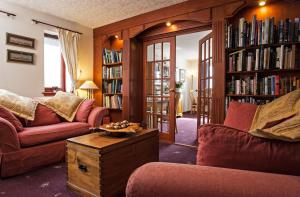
(44, 116)
(240, 115)
(84, 110)
(223, 146)
(7, 115)
(31, 136)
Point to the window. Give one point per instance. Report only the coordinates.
(55, 73)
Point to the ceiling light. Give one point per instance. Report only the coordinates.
(262, 3)
(168, 24)
(116, 36)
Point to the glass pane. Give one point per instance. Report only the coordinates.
(166, 106)
(210, 47)
(157, 70)
(166, 87)
(211, 68)
(52, 63)
(207, 49)
(166, 69)
(149, 87)
(166, 51)
(156, 119)
(159, 123)
(203, 50)
(207, 68)
(158, 51)
(165, 125)
(150, 53)
(149, 70)
(149, 105)
(157, 87)
(150, 121)
(157, 106)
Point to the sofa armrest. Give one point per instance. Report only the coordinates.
(223, 146)
(96, 116)
(9, 140)
(166, 180)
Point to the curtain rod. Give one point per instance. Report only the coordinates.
(37, 22)
(7, 13)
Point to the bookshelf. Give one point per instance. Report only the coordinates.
(112, 79)
(262, 56)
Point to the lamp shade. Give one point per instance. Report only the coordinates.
(89, 85)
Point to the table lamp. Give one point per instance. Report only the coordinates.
(89, 86)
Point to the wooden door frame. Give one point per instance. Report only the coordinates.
(163, 136)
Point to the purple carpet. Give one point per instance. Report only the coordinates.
(50, 181)
(187, 131)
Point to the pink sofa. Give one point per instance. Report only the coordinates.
(42, 141)
(227, 159)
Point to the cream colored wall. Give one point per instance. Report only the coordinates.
(28, 80)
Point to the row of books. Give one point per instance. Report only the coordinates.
(112, 87)
(264, 31)
(112, 72)
(111, 56)
(283, 57)
(246, 100)
(271, 85)
(113, 102)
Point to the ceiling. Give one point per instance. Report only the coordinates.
(95, 13)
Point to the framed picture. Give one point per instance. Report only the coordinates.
(20, 57)
(21, 41)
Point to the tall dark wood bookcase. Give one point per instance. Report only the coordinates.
(248, 83)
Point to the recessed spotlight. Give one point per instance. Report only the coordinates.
(262, 3)
(168, 24)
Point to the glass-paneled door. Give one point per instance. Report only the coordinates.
(205, 80)
(159, 86)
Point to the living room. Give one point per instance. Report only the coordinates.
(91, 95)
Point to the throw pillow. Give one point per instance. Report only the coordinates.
(7, 115)
(240, 115)
(84, 110)
(64, 104)
(44, 116)
(19, 105)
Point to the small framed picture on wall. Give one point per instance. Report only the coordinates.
(20, 57)
(21, 41)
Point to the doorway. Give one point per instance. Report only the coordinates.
(187, 78)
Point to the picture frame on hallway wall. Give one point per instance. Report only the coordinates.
(21, 41)
(20, 57)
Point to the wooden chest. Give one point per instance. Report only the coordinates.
(99, 165)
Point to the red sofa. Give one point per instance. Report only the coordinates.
(42, 141)
(226, 160)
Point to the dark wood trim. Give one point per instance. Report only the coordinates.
(58, 27)
(7, 13)
(51, 36)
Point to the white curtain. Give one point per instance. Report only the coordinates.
(69, 47)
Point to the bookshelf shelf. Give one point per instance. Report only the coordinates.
(116, 78)
(254, 96)
(232, 50)
(265, 72)
(111, 94)
(113, 64)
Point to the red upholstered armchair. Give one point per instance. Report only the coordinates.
(227, 159)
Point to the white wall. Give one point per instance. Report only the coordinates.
(28, 80)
